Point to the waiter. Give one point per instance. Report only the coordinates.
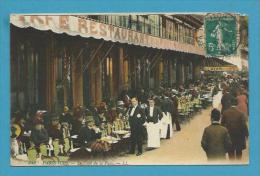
(153, 115)
(136, 121)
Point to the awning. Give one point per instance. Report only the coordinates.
(222, 68)
(73, 26)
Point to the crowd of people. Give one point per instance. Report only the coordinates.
(228, 131)
(143, 117)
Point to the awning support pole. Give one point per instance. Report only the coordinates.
(93, 56)
(104, 57)
(156, 60)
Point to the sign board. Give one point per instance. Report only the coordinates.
(221, 35)
(73, 25)
(224, 68)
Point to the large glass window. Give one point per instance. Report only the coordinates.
(134, 22)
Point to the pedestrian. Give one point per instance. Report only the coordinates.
(226, 100)
(235, 122)
(136, 121)
(215, 141)
(242, 103)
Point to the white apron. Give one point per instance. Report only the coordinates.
(165, 121)
(153, 135)
(217, 100)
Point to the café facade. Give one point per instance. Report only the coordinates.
(59, 60)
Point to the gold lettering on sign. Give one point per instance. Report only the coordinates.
(36, 18)
(103, 31)
(141, 38)
(117, 34)
(64, 22)
(145, 39)
(48, 19)
(111, 30)
(130, 36)
(123, 34)
(136, 38)
(82, 25)
(93, 29)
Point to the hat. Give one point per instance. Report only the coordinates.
(55, 117)
(66, 109)
(120, 103)
(39, 114)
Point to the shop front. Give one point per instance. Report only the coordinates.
(67, 60)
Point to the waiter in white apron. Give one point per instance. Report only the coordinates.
(153, 115)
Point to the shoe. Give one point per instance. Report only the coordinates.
(139, 153)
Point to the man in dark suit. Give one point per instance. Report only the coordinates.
(215, 140)
(136, 121)
(235, 122)
(174, 112)
(226, 100)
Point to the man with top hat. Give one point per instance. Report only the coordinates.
(136, 121)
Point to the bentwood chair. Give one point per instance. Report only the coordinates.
(32, 154)
(56, 147)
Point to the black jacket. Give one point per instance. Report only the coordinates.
(39, 136)
(86, 134)
(157, 115)
(137, 120)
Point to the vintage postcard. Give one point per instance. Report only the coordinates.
(129, 89)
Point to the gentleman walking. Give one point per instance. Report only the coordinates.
(216, 141)
(235, 122)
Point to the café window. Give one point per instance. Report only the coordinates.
(107, 78)
(123, 21)
(134, 22)
(163, 28)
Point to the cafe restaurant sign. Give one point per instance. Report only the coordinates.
(223, 68)
(73, 25)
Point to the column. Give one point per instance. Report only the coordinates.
(77, 82)
(121, 78)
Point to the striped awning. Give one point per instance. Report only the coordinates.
(73, 26)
